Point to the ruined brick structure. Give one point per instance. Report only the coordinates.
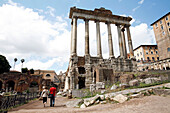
(83, 71)
(16, 81)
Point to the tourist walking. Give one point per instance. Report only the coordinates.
(44, 94)
(52, 96)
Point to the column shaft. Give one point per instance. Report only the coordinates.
(71, 37)
(74, 41)
(130, 42)
(120, 40)
(87, 52)
(99, 50)
(111, 52)
(124, 44)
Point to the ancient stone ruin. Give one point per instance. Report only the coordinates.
(86, 70)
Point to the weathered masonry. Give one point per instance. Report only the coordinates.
(83, 71)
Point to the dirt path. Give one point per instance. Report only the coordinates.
(148, 104)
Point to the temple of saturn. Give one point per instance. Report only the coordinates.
(86, 70)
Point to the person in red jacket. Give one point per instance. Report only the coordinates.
(52, 93)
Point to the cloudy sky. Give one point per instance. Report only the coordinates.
(39, 30)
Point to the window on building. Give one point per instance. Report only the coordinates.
(140, 53)
(48, 75)
(148, 58)
(162, 27)
(161, 22)
(145, 47)
(157, 58)
(163, 32)
(151, 52)
(168, 49)
(169, 29)
(150, 47)
(137, 54)
(168, 24)
(153, 58)
(166, 18)
(156, 52)
(146, 52)
(156, 25)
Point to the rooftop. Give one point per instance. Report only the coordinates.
(143, 46)
(160, 18)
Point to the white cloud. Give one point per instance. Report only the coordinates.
(141, 2)
(134, 9)
(25, 34)
(50, 11)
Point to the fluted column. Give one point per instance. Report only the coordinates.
(120, 40)
(71, 37)
(87, 37)
(124, 43)
(74, 41)
(99, 50)
(111, 52)
(130, 42)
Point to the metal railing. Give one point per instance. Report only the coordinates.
(14, 100)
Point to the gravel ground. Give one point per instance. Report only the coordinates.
(147, 104)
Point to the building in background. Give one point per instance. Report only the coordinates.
(146, 53)
(48, 75)
(161, 29)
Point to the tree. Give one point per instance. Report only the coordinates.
(22, 61)
(24, 70)
(32, 71)
(4, 64)
(15, 60)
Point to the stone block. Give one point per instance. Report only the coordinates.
(83, 106)
(167, 85)
(120, 98)
(134, 82)
(113, 87)
(74, 103)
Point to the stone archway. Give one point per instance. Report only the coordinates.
(10, 85)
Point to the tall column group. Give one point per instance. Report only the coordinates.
(121, 39)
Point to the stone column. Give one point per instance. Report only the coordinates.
(124, 43)
(129, 42)
(111, 52)
(66, 87)
(71, 45)
(74, 37)
(99, 50)
(87, 37)
(71, 82)
(120, 40)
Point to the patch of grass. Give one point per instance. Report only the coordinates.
(165, 87)
(143, 85)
